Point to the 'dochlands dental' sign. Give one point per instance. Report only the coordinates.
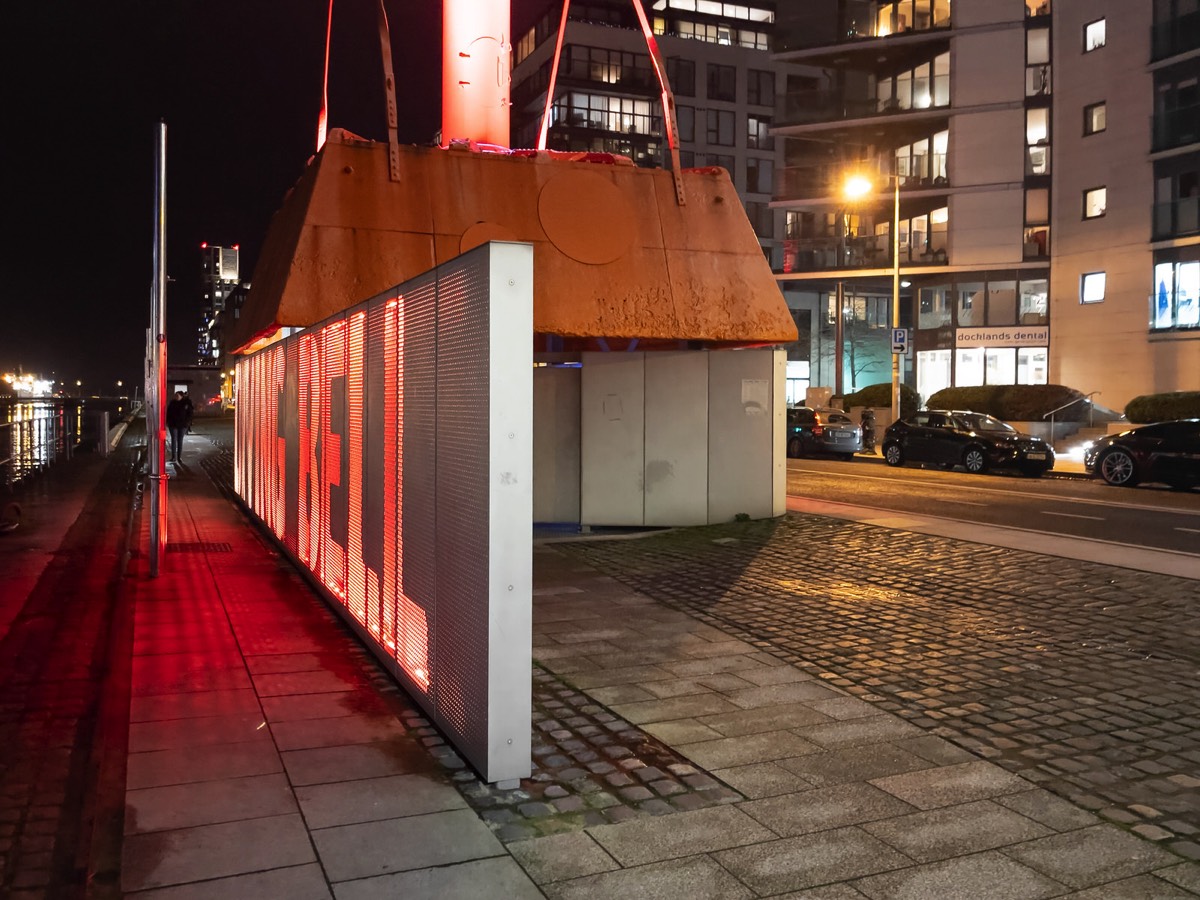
(1011, 336)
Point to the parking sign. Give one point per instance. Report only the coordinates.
(899, 340)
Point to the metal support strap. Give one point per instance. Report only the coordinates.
(389, 92)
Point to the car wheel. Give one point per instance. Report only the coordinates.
(974, 461)
(1117, 467)
(1033, 471)
(793, 449)
(893, 454)
(848, 457)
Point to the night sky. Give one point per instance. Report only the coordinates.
(238, 83)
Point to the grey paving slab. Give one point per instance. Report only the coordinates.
(163, 858)
(483, 879)
(181, 765)
(193, 704)
(305, 734)
(675, 687)
(947, 785)
(712, 665)
(867, 730)
(824, 892)
(935, 749)
(207, 803)
(740, 751)
(280, 684)
(795, 863)
(293, 883)
(371, 799)
(1091, 856)
(681, 731)
(853, 764)
(956, 830)
(353, 761)
(675, 708)
(1052, 811)
(982, 876)
(724, 647)
(785, 693)
(168, 734)
(559, 857)
(284, 662)
(323, 706)
(845, 708)
(780, 674)
(694, 878)
(642, 841)
(1185, 875)
(819, 809)
(762, 780)
(765, 718)
(1143, 886)
(395, 845)
(621, 693)
(585, 681)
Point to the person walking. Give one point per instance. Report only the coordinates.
(179, 419)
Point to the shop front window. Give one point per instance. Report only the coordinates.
(933, 372)
(1000, 365)
(968, 367)
(1032, 365)
(1176, 303)
(934, 308)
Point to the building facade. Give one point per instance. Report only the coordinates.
(607, 97)
(1046, 154)
(218, 280)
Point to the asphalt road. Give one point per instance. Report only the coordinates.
(1147, 517)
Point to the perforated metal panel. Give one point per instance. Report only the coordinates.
(390, 450)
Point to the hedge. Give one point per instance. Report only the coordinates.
(879, 396)
(1014, 402)
(1163, 407)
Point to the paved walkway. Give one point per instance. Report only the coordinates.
(265, 754)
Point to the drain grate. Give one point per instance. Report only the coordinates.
(199, 547)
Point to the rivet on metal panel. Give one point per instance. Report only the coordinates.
(511, 435)
(511, 282)
(510, 587)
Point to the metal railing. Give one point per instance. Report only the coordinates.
(1091, 410)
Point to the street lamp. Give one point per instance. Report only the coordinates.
(857, 187)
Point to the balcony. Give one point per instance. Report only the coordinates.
(1176, 218)
(1175, 35)
(822, 185)
(867, 252)
(823, 106)
(1176, 127)
(861, 22)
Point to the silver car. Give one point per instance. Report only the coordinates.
(822, 431)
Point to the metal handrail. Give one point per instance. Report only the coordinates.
(1091, 410)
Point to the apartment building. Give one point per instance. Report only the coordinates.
(1042, 156)
(607, 97)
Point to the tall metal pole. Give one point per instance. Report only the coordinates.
(155, 411)
(896, 296)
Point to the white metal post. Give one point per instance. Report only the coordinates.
(157, 382)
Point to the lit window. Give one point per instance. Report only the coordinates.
(1093, 36)
(1091, 289)
(1094, 202)
(1095, 118)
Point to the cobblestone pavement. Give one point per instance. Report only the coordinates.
(1082, 678)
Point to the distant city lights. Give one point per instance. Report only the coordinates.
(28, 385)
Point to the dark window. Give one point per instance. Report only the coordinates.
(681, 75)
(722, 82)
(685, 121)
(760, 88)
(720, 127)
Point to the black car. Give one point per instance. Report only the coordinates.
(975, 441)
(822, 431)
(1166, 451)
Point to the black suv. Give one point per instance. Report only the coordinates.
(975, 441)
(822, 431)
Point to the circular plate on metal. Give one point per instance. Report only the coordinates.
(481, 233)
(586, 217)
